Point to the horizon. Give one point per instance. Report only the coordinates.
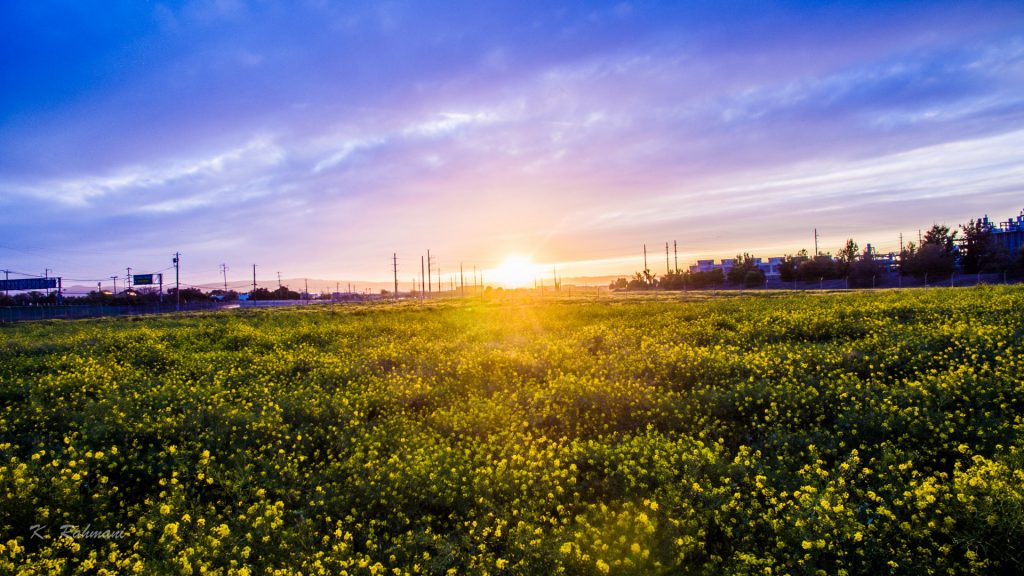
(318, 140)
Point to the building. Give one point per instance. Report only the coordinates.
(1009, 233)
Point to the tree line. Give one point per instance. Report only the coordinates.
(973, 249)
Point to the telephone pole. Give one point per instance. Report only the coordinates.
(394, 267)
(278, 280)
(253, 278)
(430, 265)
(668, 268)
(177, 282)
(675, 252)
(224, 271)
(815, 242)
(128, 279)
(645, 258)
(114, 278)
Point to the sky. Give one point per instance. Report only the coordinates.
(317, 139)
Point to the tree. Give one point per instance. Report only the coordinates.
(790, 264)
(980, 251)
(939, 235)
(619, 284)
(935, 258)
(743, 266)
(863, 271)
(187, 295)
(261, 294)
(671, 281)
(283, 293)
(821, 266)
(705, 279)
(846, 256)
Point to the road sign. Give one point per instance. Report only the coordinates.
(28, 284)
(142, 279)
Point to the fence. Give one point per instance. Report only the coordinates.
(45, 312)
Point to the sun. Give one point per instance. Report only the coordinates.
(515, 271)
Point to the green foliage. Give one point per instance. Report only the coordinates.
(934, 258)
(981, 251)
(854, 433)
(741, 272)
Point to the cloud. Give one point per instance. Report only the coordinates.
(79, 192)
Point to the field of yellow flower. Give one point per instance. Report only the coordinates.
(855, 433)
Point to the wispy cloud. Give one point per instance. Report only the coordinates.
(145, 181)
(575, 132)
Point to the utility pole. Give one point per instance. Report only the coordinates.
(645, 258)
(430, 265)
(224, 271)
(306, 280)
(462, 281)
(278, 280)
(253, 278)
(815, 242)
(675, 252)
(394, 267)
(114, 278)
(668, 269)
(128, 280)
(177, 282)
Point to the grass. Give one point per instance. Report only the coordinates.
(875, 432)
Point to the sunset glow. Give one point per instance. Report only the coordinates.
(319, 139)
(515, 271)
